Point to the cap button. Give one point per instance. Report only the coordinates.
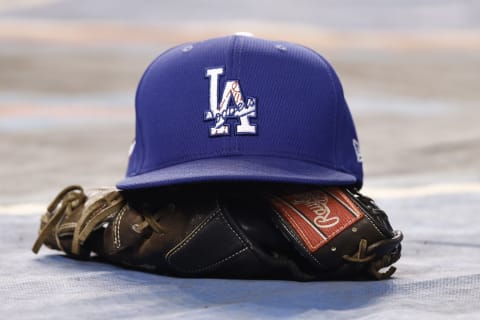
(244, 34)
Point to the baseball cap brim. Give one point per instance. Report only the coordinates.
(239, 168)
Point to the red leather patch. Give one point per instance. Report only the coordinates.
(318, 216)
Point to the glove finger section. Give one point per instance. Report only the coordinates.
(213, 248)
(331, 229)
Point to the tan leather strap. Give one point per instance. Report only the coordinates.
(69, 198)
(95, 215)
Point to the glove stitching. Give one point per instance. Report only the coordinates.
(365, 212)
(185, 242)
(340, 229)
(107, 205)
(367, 215)
(230, 227)
(213, 265)
(370, 218)
(306, 238)
(375, 226)
(300, 229)
(116, 226)
(101, 209)
(191, 235)
(298, 241)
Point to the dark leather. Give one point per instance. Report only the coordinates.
(228, 232)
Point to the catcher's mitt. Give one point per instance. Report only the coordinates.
(299, 233)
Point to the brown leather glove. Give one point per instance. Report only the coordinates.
(272, 232)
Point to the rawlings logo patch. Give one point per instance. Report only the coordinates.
(231, 106)
(316, 203)
(317, 216)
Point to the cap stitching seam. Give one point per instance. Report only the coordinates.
(215, 155)
(335, 102)
(141, 161)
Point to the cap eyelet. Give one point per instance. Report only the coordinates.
(280, 47)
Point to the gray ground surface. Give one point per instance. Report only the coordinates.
(438, 278)
(411, 72)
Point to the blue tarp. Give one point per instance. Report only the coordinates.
(438, 277)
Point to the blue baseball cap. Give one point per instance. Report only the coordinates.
(241, 108)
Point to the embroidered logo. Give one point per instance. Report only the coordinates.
(317, 203)
(232, 106)
(317, 216)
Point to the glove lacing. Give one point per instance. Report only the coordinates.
(381, 253)
(364, 255)
(71, 197)
(67, 201)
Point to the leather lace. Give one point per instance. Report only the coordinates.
(150, 221)
(64, 204)
(381, 253)
(372, 256)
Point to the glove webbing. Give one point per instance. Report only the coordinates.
(69, 200)
(367, 254)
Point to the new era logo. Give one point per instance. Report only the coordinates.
(232, 106)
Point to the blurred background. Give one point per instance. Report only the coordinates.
(69, 71)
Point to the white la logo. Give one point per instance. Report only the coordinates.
(223, 111)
